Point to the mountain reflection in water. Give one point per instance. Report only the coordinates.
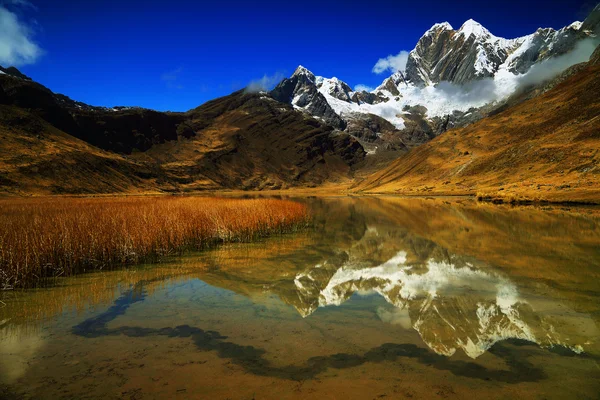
(454, 301)
(376, 286)
(451, 307)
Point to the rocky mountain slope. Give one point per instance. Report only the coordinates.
(452, 78)
(472, 52)
(52, 144)
(547, 147)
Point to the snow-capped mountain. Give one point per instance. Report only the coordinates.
(452, 77)
(302, 91)
(472, 52)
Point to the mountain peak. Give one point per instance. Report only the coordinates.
(575, 25)
(472, 27)
(12, 71)
(302, 71)
(441, 26)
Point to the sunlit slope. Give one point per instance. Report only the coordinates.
(544, 148)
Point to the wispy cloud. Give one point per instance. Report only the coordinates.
(551, 67)
(17, 46)
(391, 63)
(171, 78)
(267, 82)
(361, 88)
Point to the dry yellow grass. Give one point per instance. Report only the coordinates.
(45, 237)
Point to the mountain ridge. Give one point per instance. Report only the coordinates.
(53, 145)
(453, 77)
(544, 148)
(308, 131)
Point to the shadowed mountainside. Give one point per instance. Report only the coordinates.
(36, 157)
(52, 144)
(250, 141)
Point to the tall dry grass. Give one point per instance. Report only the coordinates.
(42, 238)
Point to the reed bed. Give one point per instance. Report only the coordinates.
(27, 309)
(41, 238)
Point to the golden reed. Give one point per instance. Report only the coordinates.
(51, 237)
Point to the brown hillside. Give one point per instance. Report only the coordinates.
(545, 148)
(36, 157)
(53, 145)
(250, 141)
(121, 131)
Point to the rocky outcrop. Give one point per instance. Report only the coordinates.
(365, 97)
(545, 44)
(301, 91)
(443, 54)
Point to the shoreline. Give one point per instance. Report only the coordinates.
(514, 199)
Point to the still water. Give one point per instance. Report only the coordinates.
(382, 298)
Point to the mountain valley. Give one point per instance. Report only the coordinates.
(447, 124)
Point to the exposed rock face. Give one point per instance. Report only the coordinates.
(365, 97)
(545, 44)
(301, 91)
(377, 134)
(390, 85)
(336, 88)
(472, 52)
(368, 127)
(443, 54)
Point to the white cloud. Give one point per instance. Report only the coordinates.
(551, 67)
(16, 38)
(171, 78)
(361, 87)
(392, 63)
(267, 82)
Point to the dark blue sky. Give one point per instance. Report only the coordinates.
(175, 55)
